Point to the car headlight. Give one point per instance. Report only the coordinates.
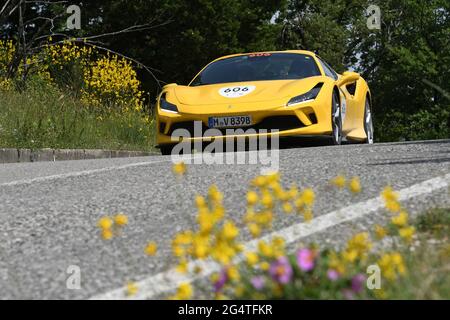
(309, 96)
(167, 106)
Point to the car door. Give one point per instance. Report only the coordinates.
(349, 104)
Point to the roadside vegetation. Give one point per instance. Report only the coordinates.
(73, 97)
(428, 260)
(403, 259)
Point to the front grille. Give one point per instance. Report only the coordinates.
(281, 123)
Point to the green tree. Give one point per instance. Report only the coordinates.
(325, 27)
(190, 33)
(411, 49)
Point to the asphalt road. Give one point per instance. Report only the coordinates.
(49, 211)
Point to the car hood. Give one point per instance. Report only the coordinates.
(260, 91)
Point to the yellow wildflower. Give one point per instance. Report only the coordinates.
(252, 197)
(132, 289)
(407, 233)
(220, 296)
(388, 194)
(230, 231)
(392, 265)
(299, 204)
(380, 232)
(151, 249)
(401, 220)
(397, 260)
(200, 201)
(260, 181)
(239, 291)
(107, 234)
(355, 185)
(380, 294)
(252, 258)
(267, 200)
(179, 168)
(206, 222)
(121, 219)
(278, 242)
(339, 181)
(214, 194)
(357, 247)
(335, 263)
(350, 255)
(279, 193)
(254, 229)
(308, 215)
(105, 223)
(264, 219)
(308, 197)
(265, 266)
(292, 192)
(287, 207)
(393, 206)
(182, 267)
(273, 177)
(183, 238)
(184, 292)
(233, 273)
(200, 249)
(178, 251)
(265, 249)
(278, 247)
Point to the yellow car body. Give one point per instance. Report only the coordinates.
(267, 105)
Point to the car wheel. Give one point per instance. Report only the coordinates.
(368, 123)
(336, 120)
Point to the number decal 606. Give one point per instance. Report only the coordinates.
(236, 91)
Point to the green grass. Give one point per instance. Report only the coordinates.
(43, 117)
(429, 264)
(435, 223)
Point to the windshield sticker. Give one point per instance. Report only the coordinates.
(257, 55)
(236, 92)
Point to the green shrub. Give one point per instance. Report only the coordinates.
(430, 124)
(43, 116)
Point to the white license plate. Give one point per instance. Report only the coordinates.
(230, 122)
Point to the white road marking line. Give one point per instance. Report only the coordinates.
(190, 159)
(167, 281)
(81, 173)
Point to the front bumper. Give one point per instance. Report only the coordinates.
(307, 119)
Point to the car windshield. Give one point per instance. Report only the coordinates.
(258, 67)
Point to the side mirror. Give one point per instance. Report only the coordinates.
(348, 77)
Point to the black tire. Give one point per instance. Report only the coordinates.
(368, 123)
(336, 120)
(166, 150)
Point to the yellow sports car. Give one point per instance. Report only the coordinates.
(288, 93)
